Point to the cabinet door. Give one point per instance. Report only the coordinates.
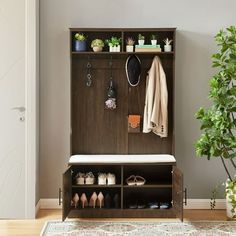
(66, 201)
(178, 192)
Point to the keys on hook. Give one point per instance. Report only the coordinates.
(89, 77)
(89, 80)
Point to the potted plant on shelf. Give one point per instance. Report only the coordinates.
(97, 45)
(80, 42)
(167, 46)
(219, 122)
(114, 44)
(141, 39)
(153, 39)
(130, 44)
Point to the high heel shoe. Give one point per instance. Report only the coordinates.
(84, 201)
(76, 199)
(100, 201)
(93, 200)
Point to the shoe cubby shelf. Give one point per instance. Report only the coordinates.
(96, 186)
(163, 184)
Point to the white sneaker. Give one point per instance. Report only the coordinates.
(89, 178)
(111, 179)
(79, 178)
(102, 179)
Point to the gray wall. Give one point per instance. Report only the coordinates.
(197, 23)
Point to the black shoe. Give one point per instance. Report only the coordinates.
(141, 204)
(107, 201)
(116, 201)
(132, 204)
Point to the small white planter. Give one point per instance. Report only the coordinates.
(167, 48)
(154, 42)
(129, 48)
(141, 42)
(114, 48)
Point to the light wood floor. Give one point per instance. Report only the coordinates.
(34, 227)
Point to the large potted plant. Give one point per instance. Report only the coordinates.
(218, 122)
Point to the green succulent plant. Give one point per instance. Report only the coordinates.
(153, 37)
(114, 41)
(80, 37)
(97, 43)
(141, 37)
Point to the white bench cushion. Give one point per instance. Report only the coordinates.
(101, 159)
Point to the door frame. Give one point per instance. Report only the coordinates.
(31, 104)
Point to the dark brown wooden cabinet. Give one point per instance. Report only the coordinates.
(96, 130)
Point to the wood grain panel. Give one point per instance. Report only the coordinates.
(97, 130)
(150, 143)
(178, 192)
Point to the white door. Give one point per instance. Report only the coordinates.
(12, 109)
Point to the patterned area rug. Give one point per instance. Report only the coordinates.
(96, 228)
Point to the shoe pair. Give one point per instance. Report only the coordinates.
(106, 179)
(135, 180)
(95, 200)
(161, 205)
(76, 200)
(112, 202)
(137, 204)
(82, 178)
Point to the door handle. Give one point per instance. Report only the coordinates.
(20, 109)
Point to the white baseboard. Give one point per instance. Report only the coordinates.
(204, 204)
(49, 203)
(52, 203)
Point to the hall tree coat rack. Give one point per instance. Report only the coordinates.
(96, 130)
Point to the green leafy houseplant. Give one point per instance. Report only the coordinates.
(141, 37)
(230, 190)
(153, 37)
(218, 122)
(114, 41)
(97, 45)
(80, 42)
(80, 37)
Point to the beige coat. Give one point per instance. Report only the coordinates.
(155, 116)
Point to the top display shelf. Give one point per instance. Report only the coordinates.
(153, 40)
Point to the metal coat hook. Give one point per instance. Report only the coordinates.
(89, 77)
(110, 64)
